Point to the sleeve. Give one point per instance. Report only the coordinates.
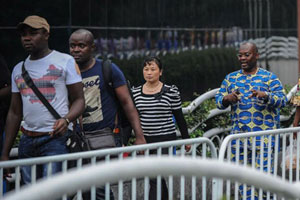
(221, 93)
(15, 78)
(276, 94)
(181, 123)
(118, 77)
(72, 72)
(296, 97)
(177, 111)
(175, 98)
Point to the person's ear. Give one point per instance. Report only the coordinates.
(160, 73)
(46, 33)
(93, 47)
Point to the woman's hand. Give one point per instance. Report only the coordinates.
(187, 147)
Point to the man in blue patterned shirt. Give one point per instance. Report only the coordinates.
(255, 96)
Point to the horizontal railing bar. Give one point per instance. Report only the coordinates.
(104, 152)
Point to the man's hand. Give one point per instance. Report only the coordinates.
(295, 135)
(187, 147)
(231, 98)
(60, 127)
(258, 94)
(140, 140)
(7, 173)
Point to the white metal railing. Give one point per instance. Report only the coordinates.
(212, 133)
(246, 148)
(118, 153)
(214, 112)
(98, 175)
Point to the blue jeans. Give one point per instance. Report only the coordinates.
(31, 147)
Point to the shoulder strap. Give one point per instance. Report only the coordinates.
(36, 91)
(107, 72)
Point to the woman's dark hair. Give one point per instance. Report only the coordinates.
(154, 59)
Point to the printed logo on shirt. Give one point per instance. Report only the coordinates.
(93, 110)
(45, 84)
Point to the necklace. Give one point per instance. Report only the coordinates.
(152, 89)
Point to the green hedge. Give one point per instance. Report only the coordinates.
(191, 71)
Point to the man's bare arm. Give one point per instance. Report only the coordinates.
(13, 122)
(77, 103)
(123, 95)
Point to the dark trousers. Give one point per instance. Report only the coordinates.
(153, 182)
(153, 189)
(100, 194)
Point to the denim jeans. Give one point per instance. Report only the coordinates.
(31, 147)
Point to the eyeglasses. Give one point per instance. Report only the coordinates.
(239, 55)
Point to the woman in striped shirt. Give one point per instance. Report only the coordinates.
(157, 103)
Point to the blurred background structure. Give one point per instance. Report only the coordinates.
(122, 25)
(126, 29)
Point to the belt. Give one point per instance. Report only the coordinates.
(33, 133)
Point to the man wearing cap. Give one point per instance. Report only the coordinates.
(58, 78)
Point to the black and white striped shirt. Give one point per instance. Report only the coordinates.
(155, 110)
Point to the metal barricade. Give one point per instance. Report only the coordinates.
(207, 149)
(266, 151)
(99, 174)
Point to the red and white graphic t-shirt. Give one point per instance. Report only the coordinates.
(50, 74)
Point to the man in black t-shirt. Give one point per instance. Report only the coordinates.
(5, 92)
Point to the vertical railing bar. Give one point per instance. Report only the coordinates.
(133, 181)
(170, 178)
(261, 156)
(158, 178)
(64, 170)
(283, 155)
(146, 181)
(93, 161)
(237, 159)
(298, 155)
(194, 148)
(204, 178)
(18, 178)
(228, 183)
(49, 169)
(33, 174)
(120, 183)
(245, 142)
(107, 185)
(270, 152)
(2, 180)
(79, 166)
(253, 163)
(291, 157)
(276, 154)
(182, 178)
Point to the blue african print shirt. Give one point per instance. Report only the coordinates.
(253, 114)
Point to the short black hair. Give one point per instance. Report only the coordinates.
(255, 49)
(89, 35)
(154, 59)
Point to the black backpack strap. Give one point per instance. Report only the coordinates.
(37, 92)
(107, 76)
(108, 82)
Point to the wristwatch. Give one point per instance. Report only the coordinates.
(67, 120)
